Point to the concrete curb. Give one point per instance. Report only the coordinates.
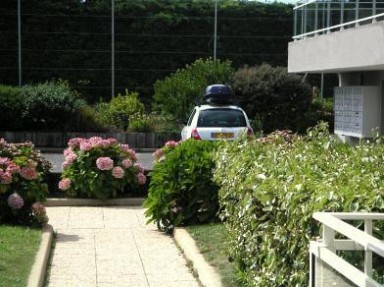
(134, 201)
(207, 275)
(37, 276)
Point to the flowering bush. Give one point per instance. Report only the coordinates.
(22, 190)
(160, 153)
(101, 168)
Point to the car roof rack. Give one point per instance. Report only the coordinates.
(218, 94)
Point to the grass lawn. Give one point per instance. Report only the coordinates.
(211, 241)
(18, 247)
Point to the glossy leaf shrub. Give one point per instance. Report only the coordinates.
(181, 191)
(118, 112)
(270, 188)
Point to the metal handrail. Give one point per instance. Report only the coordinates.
(305, 22)
(337, 26)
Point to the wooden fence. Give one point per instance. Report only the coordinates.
(60, 139)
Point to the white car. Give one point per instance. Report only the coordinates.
(214, 122)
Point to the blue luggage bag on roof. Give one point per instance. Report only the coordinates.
(218, 94)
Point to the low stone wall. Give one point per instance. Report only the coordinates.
(60, 139)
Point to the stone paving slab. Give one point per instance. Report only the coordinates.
(112, 246)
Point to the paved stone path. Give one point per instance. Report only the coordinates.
(112, 247)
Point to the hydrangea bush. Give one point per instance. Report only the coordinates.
(22, 190)
(100, 168)
(160, 153)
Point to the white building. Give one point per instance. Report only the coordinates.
(347, 38)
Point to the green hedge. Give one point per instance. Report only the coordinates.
(271, 187)
(52, 106)
(181, 190)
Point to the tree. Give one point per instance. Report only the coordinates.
(278, 100)
(177, 94)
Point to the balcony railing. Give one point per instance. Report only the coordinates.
(328, 266)
(317, 17)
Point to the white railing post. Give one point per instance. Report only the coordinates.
(329, 237)
(329, 243)
(368, 254)
(357, 8)
(328, 17)
(328, 268)
(342, 14)
(316, 16)
(374, 10)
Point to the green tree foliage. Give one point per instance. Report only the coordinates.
(269, 189)
(178, 93)
(181, 190)
(278, 99)
(153, 38)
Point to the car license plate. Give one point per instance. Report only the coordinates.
(222, 135)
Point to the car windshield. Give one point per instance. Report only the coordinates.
(221, 118)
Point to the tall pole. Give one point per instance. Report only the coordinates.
(19, 38)
(215, 33)
(113, 48)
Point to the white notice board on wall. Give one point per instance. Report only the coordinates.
(357, 110)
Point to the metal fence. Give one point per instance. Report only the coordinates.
(316, 17)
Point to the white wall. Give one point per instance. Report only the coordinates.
(353, 49)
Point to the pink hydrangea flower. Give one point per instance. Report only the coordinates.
(38, 209)
(4, 161)
(71, 158)
(130, 152)
(5, 177)
(171, 144)
(95, 141)
(127, 163)
(124, 147)
(65, 164)
(15, 201)
(65, 184)
(118, 172)
(158, 153)
(139, 167)
(104, 163)
(74, 142)
(67, 151)
(12, 168)
(85, 145)
(141, 178)
(112, 141)
(28, 173)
